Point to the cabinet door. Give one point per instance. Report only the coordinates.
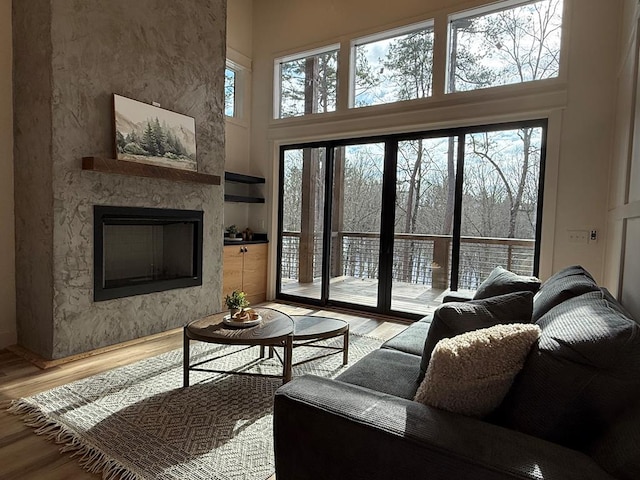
(232, 258)
(254, 281)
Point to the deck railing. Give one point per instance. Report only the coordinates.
(418, 259)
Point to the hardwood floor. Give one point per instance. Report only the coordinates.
(26, 456)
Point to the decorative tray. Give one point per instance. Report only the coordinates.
(227, 320)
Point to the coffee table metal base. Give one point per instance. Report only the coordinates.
(309, 330)
(274, 331)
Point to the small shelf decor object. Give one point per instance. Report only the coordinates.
(232, 231)
(236, 301)
(152, 135)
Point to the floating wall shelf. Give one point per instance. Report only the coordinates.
(123, 167)
(247, 180)
(243, 199)
(241, 178)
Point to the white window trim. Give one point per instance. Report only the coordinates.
(277, 62)
(488, 9)
(242, 66)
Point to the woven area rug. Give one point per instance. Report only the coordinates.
(137, 422)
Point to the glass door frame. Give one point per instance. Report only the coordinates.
(387, 233)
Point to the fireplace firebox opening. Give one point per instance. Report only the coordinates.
(145, 250)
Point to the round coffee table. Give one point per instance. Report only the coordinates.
(275, 330)
(307, 330)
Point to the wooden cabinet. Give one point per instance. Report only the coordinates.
(245, 268)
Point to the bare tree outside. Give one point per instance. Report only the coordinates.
(514, 45)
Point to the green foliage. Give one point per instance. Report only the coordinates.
(309, 85)
(237, 299)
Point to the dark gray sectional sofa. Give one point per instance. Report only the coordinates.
(573, 412)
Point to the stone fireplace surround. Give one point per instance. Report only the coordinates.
(69, 58)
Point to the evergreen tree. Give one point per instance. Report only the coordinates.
(120, 141)
(149, 140)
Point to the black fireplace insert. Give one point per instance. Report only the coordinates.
(145, 250)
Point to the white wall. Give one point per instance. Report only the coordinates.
(579, 105)
(7, 233)
(624, 192)
(238, 130)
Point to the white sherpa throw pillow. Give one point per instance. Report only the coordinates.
(471, 373)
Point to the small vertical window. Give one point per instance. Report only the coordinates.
(230, 87)
(307, 83)
(392, 66)
(505, 43)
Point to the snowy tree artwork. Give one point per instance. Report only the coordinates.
(148, 134)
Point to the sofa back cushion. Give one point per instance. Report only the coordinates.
(567, 283)
(455, 318)
(501, 281)
(583, 372)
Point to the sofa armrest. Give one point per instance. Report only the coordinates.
(455, 296)
(326, 429)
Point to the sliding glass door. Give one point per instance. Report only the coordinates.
(355, 224)
(302, 222)
(391, 224)
(423, 224)
(500, 203)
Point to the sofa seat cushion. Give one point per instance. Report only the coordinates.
(618, 450)
(455, 318)
(501, 281)
(567, 283)
(471, 373)
(411, 340)
(582, 373)
(386, 371)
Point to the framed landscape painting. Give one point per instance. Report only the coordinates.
(148, 134)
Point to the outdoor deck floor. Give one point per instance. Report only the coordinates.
(405, 297)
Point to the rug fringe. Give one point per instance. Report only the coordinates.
(91, 459)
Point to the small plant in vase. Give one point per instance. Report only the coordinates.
(232, 231)
(235, 302)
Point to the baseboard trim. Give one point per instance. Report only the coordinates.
(7, 338)
(44, 363)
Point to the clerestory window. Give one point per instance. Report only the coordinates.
(392, 66)
(306, 83)
(505, 43)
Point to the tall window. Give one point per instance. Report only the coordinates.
(307, 83)
(505, 43)
(230, 87)
(392, 66)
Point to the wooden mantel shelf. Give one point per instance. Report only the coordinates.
(123, 167)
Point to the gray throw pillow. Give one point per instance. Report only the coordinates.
(501, 281)
(455, 318)
(567, 283)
